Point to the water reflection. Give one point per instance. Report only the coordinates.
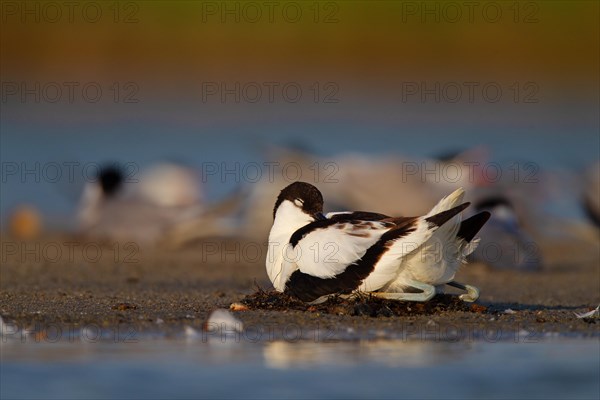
(391, 353)
(177, 368)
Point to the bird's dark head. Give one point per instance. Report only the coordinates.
(110, 179)
(503, 212)
(489, 203)
(302, 195)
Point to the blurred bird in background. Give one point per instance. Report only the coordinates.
(165, 206)
(591, 195)
(142, 210)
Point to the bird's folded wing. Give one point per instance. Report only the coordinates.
(327, 249)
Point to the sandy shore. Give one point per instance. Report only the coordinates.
(154, 290)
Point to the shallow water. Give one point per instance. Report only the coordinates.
(197, 368)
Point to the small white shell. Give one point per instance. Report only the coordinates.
(222, 320)
(590, 314)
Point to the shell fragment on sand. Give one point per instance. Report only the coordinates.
(223, 321)
(238, 307)
(595, 313)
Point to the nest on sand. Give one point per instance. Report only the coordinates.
(361, 305)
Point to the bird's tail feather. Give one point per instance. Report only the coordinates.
(470, 226)
(452, 200)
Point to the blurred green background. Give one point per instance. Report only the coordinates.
(365, 71)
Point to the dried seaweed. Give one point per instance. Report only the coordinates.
(361, 305)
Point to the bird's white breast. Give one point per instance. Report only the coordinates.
(288, 219)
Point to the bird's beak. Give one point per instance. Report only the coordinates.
(319, 217)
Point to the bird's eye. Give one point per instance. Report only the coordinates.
(298, 202)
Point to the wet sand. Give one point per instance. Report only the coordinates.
(155, 290)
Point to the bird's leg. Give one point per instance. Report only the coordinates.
(472, 292)
(427, 292)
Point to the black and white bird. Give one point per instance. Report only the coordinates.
(313, 256)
